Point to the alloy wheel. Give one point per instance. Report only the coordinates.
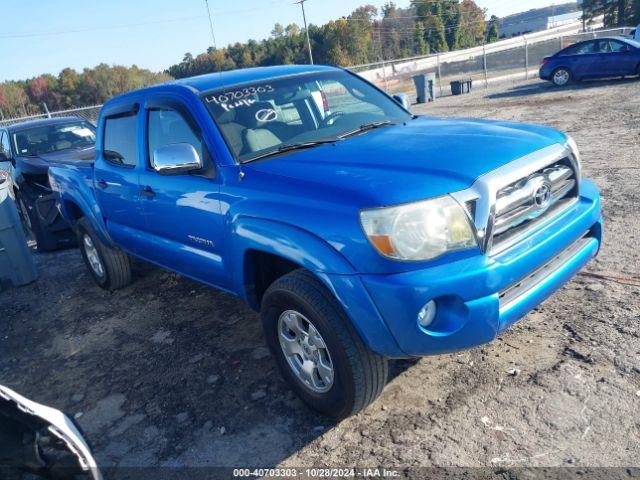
(92, 256)
(561, 77)
(306, 351)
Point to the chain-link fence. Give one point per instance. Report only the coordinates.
(513, 59)
(88, 113)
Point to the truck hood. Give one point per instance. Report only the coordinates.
(40, 165)
(426, 157)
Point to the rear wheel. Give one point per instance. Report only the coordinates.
(318, 351)
(561, 77)
(110, 267)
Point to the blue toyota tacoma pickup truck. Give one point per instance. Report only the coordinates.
(359, 231)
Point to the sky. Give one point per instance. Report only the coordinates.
(45, 36)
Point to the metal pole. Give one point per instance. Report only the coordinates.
(526, 57)
(484, 62)
(439, 72)
(306, 29)
(46, 110)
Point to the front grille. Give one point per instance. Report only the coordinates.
(531, 199)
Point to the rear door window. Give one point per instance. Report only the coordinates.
(580, 49)
(120, 140)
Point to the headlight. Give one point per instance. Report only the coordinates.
(419, 231)
(571, 143)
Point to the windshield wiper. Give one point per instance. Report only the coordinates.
(366, 127)
(288, 147)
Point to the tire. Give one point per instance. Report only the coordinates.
(359, 375)
(114, 268)
(45, 241)
(561, 77)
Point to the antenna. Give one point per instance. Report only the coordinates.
(213, 35)
(304, 18)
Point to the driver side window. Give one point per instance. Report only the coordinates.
(167, 127)
(617, 47)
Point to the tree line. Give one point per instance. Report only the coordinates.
(617, 13)
(365, 36)
(71, 89)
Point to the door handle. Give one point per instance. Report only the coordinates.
(102, 184)
(147, 192)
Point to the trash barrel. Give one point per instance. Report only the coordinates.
(425, 87)
(456, 87)
(16, 261)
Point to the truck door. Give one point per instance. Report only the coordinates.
(183, 210)
(116, 173)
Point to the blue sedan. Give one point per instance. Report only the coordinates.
(598, 58)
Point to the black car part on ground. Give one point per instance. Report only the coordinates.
(31, 442)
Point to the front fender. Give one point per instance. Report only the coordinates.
(325, 262)
(287, 241)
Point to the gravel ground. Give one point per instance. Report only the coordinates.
(169, 372)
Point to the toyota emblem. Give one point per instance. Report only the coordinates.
(266, 115)
(542, 195)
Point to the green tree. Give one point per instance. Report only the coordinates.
(617, 13)
(493, 30)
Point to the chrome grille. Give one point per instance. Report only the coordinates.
(533, 196)
(509, 203)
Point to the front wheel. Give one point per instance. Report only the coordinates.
(110, 267)
(561, 77)
(318, 351)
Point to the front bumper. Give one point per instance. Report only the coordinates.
(468, 292)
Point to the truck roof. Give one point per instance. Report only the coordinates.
(211, 81)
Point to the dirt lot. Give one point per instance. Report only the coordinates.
(168, 372)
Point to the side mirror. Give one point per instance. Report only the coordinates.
(3, 157)
(402, 99)
(175, 159)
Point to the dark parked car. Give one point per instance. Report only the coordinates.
(598, 58)
(26, 152)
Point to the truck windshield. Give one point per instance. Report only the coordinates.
(41, 140)
(282, 114)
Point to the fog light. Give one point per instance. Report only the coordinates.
(427, 314)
